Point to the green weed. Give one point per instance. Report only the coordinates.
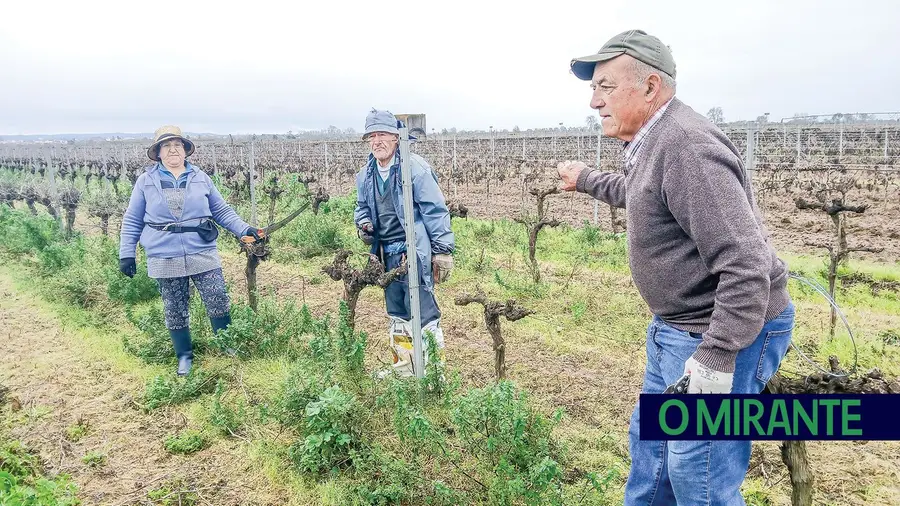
(185, 443)
(24, 482)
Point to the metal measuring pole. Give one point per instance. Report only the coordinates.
(412, 259)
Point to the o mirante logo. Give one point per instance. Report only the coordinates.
(775, 416)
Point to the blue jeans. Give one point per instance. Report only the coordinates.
(698, 472)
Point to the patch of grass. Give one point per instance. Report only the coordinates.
(276, 328)
(314, 235)
(177, 492)
(187, 442)
(890, 337)
(76, 431)
(578, 310)
(756, 492)
(36, 412)
(168, 390)
(23, 480)
(99, 338)
(869, 316)
(227, 418)
(94, 459)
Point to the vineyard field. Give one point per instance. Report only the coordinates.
(295, 416)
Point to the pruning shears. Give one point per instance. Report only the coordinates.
(264, 233)
(680, 386)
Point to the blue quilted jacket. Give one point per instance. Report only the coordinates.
(148, 205)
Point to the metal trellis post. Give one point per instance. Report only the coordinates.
(253, 185)
(841, 141)
(412, 258)
(597, 202)
(51, 170)
(456, 184)
(751, 149)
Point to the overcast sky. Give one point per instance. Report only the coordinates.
(263, 67)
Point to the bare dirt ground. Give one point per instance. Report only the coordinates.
(59, 384)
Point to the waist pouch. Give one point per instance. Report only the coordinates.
(206, 229)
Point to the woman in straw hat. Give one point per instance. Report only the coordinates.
(173, 210)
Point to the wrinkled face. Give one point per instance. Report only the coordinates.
(383, 145)
(172, 153)
(619, 99)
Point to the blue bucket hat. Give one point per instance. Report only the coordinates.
(382, 121)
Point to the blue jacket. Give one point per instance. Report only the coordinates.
(432, 218)
(148, 205)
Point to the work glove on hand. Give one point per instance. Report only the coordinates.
(128, 267)
(441, 265)
(705, 380)
(366, 233)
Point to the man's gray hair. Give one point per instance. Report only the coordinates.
(642, 71)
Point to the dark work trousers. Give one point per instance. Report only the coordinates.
(174, 291)
(396, 295)
(175, 296)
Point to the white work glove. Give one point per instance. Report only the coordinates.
(705, 380)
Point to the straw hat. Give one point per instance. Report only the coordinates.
(165, 133)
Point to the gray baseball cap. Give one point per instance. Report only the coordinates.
(635, 43)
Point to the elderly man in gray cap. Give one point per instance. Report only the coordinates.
(700, 257)
(381, 224)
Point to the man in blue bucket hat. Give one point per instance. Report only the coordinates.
(381, 224)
